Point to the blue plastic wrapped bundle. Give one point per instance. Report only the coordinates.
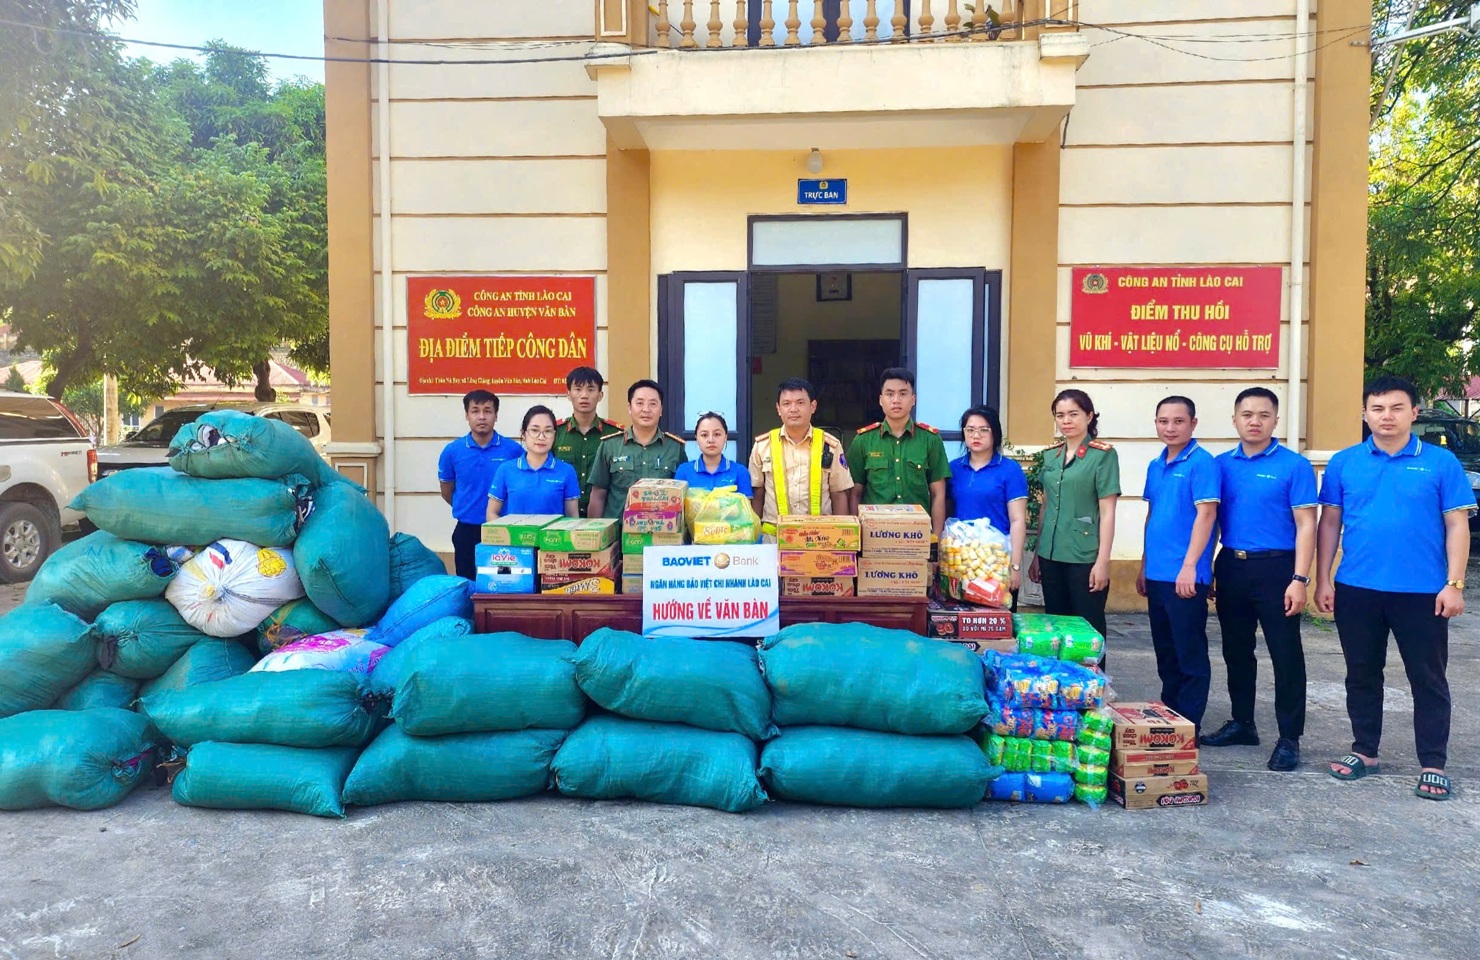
(427, 601)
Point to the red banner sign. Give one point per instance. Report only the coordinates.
(1176, 317)
(511, 335)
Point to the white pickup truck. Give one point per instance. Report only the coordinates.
(46, 458)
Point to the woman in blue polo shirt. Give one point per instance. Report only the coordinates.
(536, 482)
(713, 469)
(987, 485)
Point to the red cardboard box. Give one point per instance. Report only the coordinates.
(601, 563)
(953, 620)
(1149, 793)
(1155, 763)
(817, 587)
(1151, 726)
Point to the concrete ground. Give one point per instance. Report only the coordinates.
(1279, 866)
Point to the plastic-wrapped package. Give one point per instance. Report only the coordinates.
(1055, 724)
(721, 515)
(1049, 788)
(345, 650)
(1092, 795)
(975, 552)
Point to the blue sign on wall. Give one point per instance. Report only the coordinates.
(817, 192)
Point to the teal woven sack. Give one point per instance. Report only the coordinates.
(857, 675)
(206, 661)
(100, 689)
(87, 575)
(343, 556)
(713, 684)
(292, 621)
(291, 708)
(608, 758)
(486, 682)
(229, 444)
(142, 638)
(259, 776)
(865, 768)
(44, 652)
(160, 505)
(392, 667)
(83, 759)
(460, 767)
(411, 561)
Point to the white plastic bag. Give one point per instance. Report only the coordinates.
(231, 586)
(344, 650)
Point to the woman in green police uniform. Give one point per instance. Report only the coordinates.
(1081, 482)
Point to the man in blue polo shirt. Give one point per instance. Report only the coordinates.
(1177, 559)
(1267, 522)
(1400, 510)
(465, 471)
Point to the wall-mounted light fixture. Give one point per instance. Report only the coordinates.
(814, 162)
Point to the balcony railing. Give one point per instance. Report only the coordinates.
(730, 24)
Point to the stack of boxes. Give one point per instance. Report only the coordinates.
(653, 516)
(579, 556)
(894, 553)
(818, 556)
(506, 557)
(1154, 758)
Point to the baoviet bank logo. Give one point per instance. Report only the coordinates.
(442, 305)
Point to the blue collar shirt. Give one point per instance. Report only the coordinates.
(538, 490)
(470, 469)
(1392, 514)
(984, 492)
(1173, 491)
(729, 474)
(1259, 497)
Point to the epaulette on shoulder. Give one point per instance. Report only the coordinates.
(675, 437)
(614, 433)
(562, 421)
(1101, 445)
(1058, 443)
(830, 439)
(763, 438)
(926, 426)
(872, 426)
(613, 424)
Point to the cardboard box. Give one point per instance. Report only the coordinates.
(504, 569)
(632, 584)
(953, 620)
(661, 496)
(557, 584)
(632, 563)
(818, 533)
(818, 587)
(579, 536)
(634, 543)
(896, 530)
(1150, 726)
(598, 563)
(818, 563)
(1155, 763)
(983, 646)
(892, 578)
(519, 530)
(653, 521)
(1149, 793)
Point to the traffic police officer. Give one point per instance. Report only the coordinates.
(900, 460)
(1268, 527)
(641, 452)
(579, 436)
(797, 468)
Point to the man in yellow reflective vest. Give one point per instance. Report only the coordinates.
(797, 469)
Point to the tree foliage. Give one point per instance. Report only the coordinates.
(1423, 261)
(14, 382)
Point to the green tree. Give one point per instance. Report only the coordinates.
(86, 401)
(14, 382)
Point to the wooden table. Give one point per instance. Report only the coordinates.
(573, 616)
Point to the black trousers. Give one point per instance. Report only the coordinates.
(1251, 593)
(466, 536)
(1066, 591)
(1363, 621)
(1179, 635)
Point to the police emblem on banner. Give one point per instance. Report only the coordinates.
(442, 305)
(1095, 283)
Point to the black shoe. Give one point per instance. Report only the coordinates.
(1286, 756)
(1234, 733)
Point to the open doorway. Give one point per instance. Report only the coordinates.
(839, 329)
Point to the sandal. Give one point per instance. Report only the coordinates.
(1438, 783)
(1357, 768)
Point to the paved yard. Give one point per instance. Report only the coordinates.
(1279, 866)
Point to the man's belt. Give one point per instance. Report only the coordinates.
(1259, 554)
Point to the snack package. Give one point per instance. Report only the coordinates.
(1017, 754)
(1039, 644)
(1080, 688)
(994, 747)
(1087, 756)
(1097, 721)
(1079, 642)
(1092, 795)
(1009, 721)
(1040, 757)
(1092, 776)
(1091, 738)
(1063, 756)
(1010, 786)
(1049, 787)
(976, 559)
(721, 515)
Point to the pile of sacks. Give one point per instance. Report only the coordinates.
(245, 544)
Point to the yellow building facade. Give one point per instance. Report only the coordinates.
(660, 151)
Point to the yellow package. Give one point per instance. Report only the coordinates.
(722, 515)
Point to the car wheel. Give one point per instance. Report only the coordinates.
(27, 538)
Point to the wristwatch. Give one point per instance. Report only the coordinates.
(1456, 584)
(1017, 566)
(1297, 578)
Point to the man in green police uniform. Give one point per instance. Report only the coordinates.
(641, 452)
(899, 460)
(578, 437)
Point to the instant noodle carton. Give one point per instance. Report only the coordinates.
(1154, 763)
(579, 535)
(596, 563)
(897, 530)
(818, 533)
(818, 563)
(892, 578)
(558, 584)
(669, 522)
(634, 543)
(1150, 726)
(632, 563)
(504, 569)
(953, 620)
(519, 530)
(658, 496)
(817, 587)
(1149, 793)
(632, 584)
